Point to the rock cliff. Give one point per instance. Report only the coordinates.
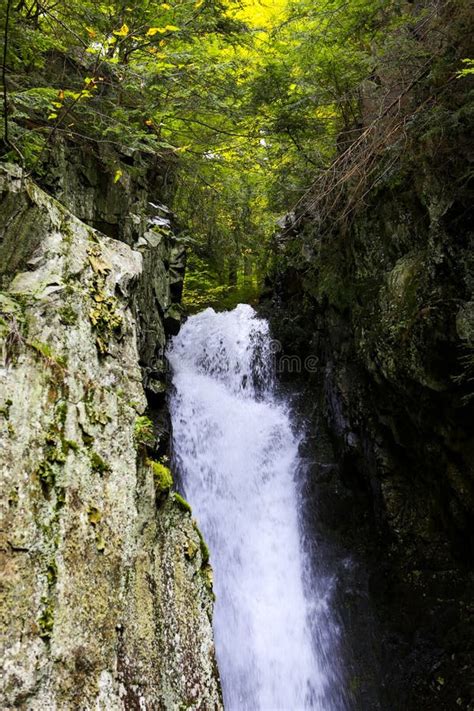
(384, 303)
(107, 587)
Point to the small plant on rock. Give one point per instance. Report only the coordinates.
(143, 432)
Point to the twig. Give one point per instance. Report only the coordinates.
(6, 138)
(4, 72)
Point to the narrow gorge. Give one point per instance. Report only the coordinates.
(236, 355)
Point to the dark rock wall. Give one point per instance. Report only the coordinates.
(385, 304)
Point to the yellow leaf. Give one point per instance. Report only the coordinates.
(165, 5)
(198, 3)
(52, 116)
(91, 32)
(123, 31)
(118, 175)
(154, 30)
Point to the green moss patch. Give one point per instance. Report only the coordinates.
(67, 316)
(45, 350)
(204, 547)
(162, 476)
(98, 465)
(46, 619)
(182, 503)
(143, 432)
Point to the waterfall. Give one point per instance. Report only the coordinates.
(236, 452)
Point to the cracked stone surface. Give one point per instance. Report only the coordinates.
(107, 596)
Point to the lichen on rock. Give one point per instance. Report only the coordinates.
(102, 608)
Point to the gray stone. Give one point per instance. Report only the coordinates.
(107, 597)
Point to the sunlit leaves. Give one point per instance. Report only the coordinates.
(467, 70)
(248, 95)
(161, 30)
(123, 31)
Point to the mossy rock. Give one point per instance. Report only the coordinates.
(68, 316)
(46, 352)
(182, 503)
(5, 409)
(46, 619)
(204, 547)
(162, 477)
(94, 515)
(143, 431)
(98, 464)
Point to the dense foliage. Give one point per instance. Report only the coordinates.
(252, 102)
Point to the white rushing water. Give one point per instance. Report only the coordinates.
(238, 458)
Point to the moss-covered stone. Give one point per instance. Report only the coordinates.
(5, 409)
(46, 352)
(143, 431)
(181, 502)
(162, 477)
(204, 547)
(98, 465)
(91, 568)
(46, 619)
(96, 412)
(94, 515)
(68, 316)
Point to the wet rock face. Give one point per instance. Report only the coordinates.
(387, 307)
(107, 593)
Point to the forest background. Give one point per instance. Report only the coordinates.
(255, 108)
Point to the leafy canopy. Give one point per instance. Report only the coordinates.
(250, 101)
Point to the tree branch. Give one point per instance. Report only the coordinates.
(4, 72)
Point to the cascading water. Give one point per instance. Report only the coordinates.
(238, 460)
